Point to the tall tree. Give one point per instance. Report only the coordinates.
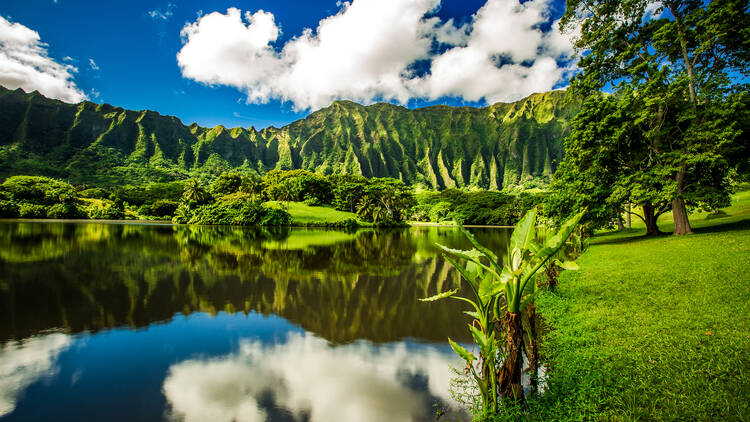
(679, 60)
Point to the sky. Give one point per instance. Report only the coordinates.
(269, 62)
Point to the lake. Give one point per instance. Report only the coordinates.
(149, 322)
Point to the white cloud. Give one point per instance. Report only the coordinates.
(93, 64)
(22, 363)
(355, 382)
(162, 14)
(365, 52)
(506, 31)
(25, 63)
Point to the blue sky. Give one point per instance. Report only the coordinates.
(415, 53)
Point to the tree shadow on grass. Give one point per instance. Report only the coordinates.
(719, 228)
(743, 224)
(629, 239)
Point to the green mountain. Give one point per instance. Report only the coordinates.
(440, 146)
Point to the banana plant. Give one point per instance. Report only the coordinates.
(505, 290)
(482, 368)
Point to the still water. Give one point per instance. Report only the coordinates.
(105, 321)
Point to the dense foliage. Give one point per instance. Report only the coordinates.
(672, 128)
(474, 207)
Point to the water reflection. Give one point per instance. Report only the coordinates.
(341, 286)
(22, 363)
(225, 323)
(304, 378)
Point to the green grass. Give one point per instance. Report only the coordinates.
(306, 215)
(653, 328)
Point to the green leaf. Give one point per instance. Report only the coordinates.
(439, 296)
(468, 357)
(479, 337)
(491, 286)
(523, 233)
(472, 314)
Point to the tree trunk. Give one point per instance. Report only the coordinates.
(649, 218)
(680, 216)
(509, 380)
(531, 351)
(619, 222)
(627, 216)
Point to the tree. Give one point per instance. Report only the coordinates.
(226, 183)
(678, 58)
(194, 192)
(609, 161)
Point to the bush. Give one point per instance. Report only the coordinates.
(28, 210)
(106, 211)
(312, 201)
(440, 211)
(39, 190)
(8, 209)
(144, 210)
(275, 217)
(163, 208)
(237, 211)
(66, 210)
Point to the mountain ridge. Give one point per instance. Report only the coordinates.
(497, 146)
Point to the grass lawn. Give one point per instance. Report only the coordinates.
(653, 328)
(303, 214)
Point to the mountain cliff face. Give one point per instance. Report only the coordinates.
(492, 147)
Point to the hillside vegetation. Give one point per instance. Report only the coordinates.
(502, 145)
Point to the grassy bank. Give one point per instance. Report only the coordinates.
(306, 215)
(653, 328)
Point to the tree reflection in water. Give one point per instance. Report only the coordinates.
(339, 285)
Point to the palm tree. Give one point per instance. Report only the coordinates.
(286, 193)
(194, 191)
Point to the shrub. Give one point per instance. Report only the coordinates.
(28, 210)
(312, 201)
(237, 211)
(8, 209)
(440, 211)
(65, 210)
(105, 211)
(163, 208)
(275, 217)
(144, 210)
(39, 190)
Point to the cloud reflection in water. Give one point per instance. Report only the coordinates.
(312, 381)
(22, 363)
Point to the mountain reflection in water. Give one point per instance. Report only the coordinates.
(225, 323)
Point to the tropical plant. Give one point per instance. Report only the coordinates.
(509, 285)
(560, 260)
(194, 192)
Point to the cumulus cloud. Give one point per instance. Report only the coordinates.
(22, 363)
(93, 65)
(25, 63)
(357, 382)
(367, 52)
